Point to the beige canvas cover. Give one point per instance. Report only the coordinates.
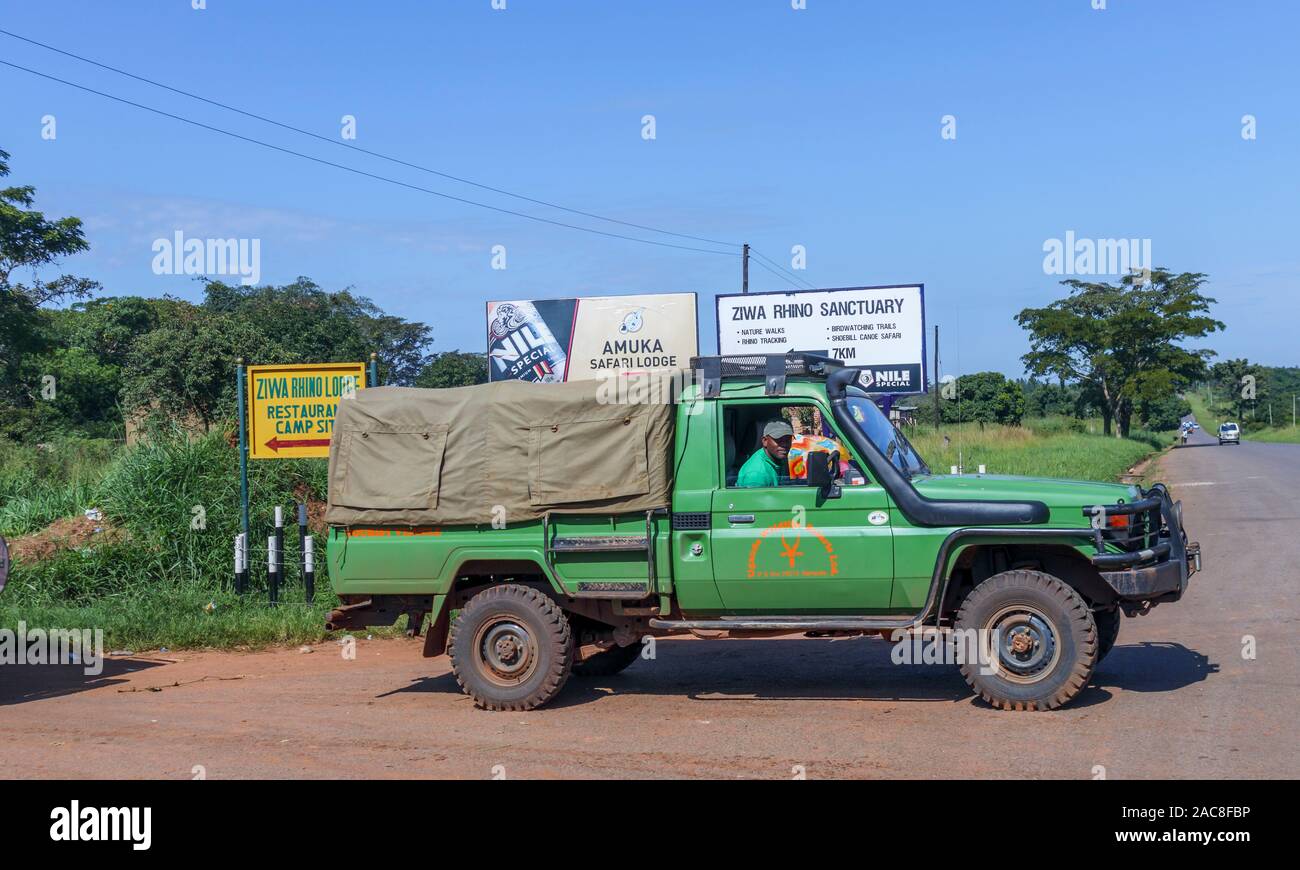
(403, 456)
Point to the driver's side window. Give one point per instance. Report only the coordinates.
(767, 444)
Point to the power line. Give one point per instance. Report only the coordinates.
(362, 172)
(357, 148)
(758, 262)
(788, 274)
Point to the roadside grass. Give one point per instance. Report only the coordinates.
(40, 484)
(179, 618)
(177, 504)
(1047, 447)
(1276, 435)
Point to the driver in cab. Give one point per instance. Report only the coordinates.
(767, 464)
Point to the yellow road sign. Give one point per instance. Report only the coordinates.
(291, 408)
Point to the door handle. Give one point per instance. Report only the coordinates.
(740, 518)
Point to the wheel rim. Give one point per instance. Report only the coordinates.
(505, 651)
(1028, 644)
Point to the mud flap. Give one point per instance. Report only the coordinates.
(435, 639)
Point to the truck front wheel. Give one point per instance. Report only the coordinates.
(1037, 641)
(511, 648)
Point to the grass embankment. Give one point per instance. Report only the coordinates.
(1251, 430)
(1276, 435)
(153, 579)
(158, 576)
(1049, 447)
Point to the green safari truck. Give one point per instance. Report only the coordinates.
(551, 529)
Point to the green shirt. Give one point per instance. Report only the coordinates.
(758, 470)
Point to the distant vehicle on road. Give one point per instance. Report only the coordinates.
(1229, 434)
(1195, 425)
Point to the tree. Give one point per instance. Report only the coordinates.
(28, 240)
(308, 324)
(986, 397)
(108, 327)
(1045, 399)
(454, 369)
(1242, 382)
(1163, 414)
(185, 366)
(1120, 342)
(185, 369)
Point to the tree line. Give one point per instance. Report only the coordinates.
(87, 367)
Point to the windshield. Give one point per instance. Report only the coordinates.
(880, 432)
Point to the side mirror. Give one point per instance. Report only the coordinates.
(823, 471)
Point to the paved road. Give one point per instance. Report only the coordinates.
(1175, 698)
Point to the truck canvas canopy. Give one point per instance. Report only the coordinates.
(505, 452)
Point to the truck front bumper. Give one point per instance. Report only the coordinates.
(1156, 559)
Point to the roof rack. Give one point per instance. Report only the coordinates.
(773, 368)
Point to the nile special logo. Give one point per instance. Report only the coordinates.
(791, 550)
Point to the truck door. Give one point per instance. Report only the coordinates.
(784, 549)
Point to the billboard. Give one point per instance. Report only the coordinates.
(291, 407)
(878, 329)
(554, 340)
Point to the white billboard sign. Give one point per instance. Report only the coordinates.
(555, 340)
(878, 329)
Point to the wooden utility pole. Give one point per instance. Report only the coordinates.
(744, 270)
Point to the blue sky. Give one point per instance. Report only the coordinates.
(818, 127)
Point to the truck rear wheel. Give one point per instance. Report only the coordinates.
(511, 648)
(1037, 638)
(607, 662)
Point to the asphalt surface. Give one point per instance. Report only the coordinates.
(1176, 697)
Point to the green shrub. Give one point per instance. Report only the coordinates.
(152, 580)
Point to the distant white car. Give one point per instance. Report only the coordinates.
(1229, 434)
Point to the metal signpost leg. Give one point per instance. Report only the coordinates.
(243, 457)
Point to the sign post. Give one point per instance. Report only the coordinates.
(243, 456)
(287, 412)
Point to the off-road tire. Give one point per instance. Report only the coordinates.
(1073, 634)
(550, 646)
(1107, 630)
(607, 662)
